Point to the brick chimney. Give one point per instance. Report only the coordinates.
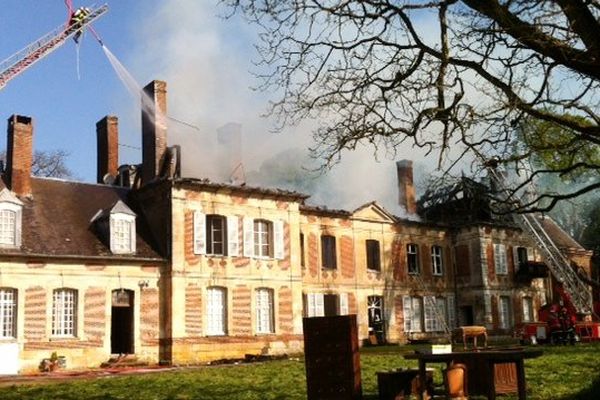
(107, 133)
(154, 129)
(406, 189)
(19, 154)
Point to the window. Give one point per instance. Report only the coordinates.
(373, 255)
(64, 312)
(328, 253)
(500, 259)
(10, 219)
(216, 235)
(216, 311)
(8, 313)
(121, 236)
(263, 238)
(413, 314)
(265, 315)
(521, 255)
(302, 259)
(435, 313)
(412, 258)
(325, 304)
(527, 309)
(314, 305)
(436, 260)
(504, 312)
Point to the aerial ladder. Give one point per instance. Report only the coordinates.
(574, 290)
(25, 58)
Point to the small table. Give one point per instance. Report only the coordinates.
(486, 359)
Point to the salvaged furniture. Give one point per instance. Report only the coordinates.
(455, 381)
(465, 332)
(331, 358)
(401, 384)
(481, 366)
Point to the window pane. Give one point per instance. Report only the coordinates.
(7, 227)
(412, 258)
(122, 235)
(328, 252)
(216, 235)
(216, 311)
(436, 260)
(64, 312)
(8, 317)
(264, 311)
(262, 238)
(373, 256)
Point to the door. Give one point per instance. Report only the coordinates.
(121, 328)
(376, 323)
(466, 316)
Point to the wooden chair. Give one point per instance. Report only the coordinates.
(455, 382)
(465, 332)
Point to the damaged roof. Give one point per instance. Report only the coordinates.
(560, 238)
(57, 221)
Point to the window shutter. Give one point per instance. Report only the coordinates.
(429, 313)
(503, 260)
(310, 305)
(343, 303)
(248, 237)
(133, 237)
(233, 247)
(18, 223)
(417, 308)
(497, 256)
(451, 311)
(319, 305)
(279, 252)
(407, 306)
(530, 254)
(199, 232)
(515, 250)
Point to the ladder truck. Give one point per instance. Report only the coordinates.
(574, 292)
(25, 58)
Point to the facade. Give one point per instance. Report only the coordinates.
(182, 270)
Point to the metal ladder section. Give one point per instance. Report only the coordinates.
(25, 58)
(431, 299)
(559, 265)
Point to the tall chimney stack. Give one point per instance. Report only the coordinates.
(406, 189)
(154, 129)
(107, 134)
(19, 154)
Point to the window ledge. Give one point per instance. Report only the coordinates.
(63, 338)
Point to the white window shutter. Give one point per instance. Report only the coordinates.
(496, 256)
(310, 305)
(279, 252)
(343, 303)
(407, 307)
(199, 232)
(133, 237)
(417, 308)
(248, 237)
(233, 246)
(18, 223)
(451, 311)
(429, 313)
(319, 305)
(530, 254)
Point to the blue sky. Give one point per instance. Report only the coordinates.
(206, 62)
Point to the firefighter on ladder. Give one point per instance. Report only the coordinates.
(77, 19)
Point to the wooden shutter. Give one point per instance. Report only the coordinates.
(279, 247)
(248, 237)
(429, 313)
(407, 307)
(233, 247)
(319, 305)
(343, 303)
(417, 309)
(451, 311)
(199, 232)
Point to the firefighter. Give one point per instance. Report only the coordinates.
(77, 19)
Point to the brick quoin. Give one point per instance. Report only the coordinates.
(282, 205)
(242, 311)
(238, 200)
(463, 260)
(35, 265)
(193, 310)
(346, 223)
(313, 255)
(149, 314)
(517, 309)
(490, 262)
(286, 315)
(35, 313)
(399, 313)
(495, 313)
(397, 261)
(188, 241)
(426, 268)
(94, 313)
(285, 263)
(347, 250)
(511, 261)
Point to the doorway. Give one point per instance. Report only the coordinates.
(121, 327)
(376, 322)
(466, 316)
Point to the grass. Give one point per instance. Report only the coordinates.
(561, 373)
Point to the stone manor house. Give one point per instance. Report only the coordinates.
(184, 270)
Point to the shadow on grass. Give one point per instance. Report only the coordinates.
(590, 392)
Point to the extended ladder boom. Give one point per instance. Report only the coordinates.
(25, 58)
(578, 292)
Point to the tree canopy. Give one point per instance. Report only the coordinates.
(457, 78)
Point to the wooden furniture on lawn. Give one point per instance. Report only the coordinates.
(466, 332)
(455, 381)
(481, 367)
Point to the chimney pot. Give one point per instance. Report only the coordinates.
(19, 154)
(406, 188)
(154, 129)
(107, 134)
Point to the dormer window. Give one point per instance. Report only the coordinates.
(116, 226)
(10, 220)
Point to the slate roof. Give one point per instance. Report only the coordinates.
(57, 221)
(561, 238)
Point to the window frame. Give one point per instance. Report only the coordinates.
(14, 207)
(504, 312)
(8, 313)
(265, 311)
(500, 261)
(119, 244)
(437, 260)
(415, 308)
(412, 253)
(373, 251)
(328, 252)
(210, 231)
(527, 304)
(263, 237)
(65, 308)
(214, 313)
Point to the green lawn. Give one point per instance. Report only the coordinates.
(562, 373)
